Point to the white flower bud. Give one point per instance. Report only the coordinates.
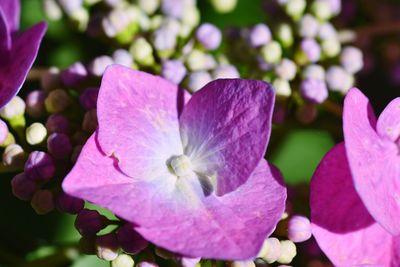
(295, 8)
(271, 52)
(14, 108)
(321, 10)
(191, 17)
(308, 26)
(285, 35)
(149, 6)
(197, 60)
(282, 87)
(36, 133)
(243, 264)
(13, 155)
(286, 69)
(352, 59)
(270, 250)
(52, 10)
(142, 52)
(288, 252)
(331, 47)
(314, 71)
(224, 6)
(123, 260)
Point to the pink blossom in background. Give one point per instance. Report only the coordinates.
(187, 172)
(17, 50)
(354, 204)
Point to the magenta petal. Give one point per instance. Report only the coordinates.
(138, 120)
(229, 227)
(225, 129)
(20, 58)
(374, 162)
(389, 121)
(11, 10)
(341, 224)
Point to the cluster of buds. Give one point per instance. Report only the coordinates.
(301, 54)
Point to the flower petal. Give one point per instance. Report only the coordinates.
(230, 227)
(5, 38)
(138, 120)
(225, 129)
(389, 121)
(341, 224)
(19, 60)
(11, 10)
(374, 162)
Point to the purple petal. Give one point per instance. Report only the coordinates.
(138, 120)
(225, 129)
(13, 72)
(5, 37)
(233, 226)
(389, 121)
(341, 224)
(12, 10)
(374, 162)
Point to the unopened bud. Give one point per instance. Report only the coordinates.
(123, 260)
(271, 52)
(42, 202)
(299, 228)
(288, 252)
(57, 101)
(22, 187)
(107, 247)
(270, 250)
(224, 6)
(35, 103)
(39, 166)
(36, 133)
(14, 108)
(13, 156)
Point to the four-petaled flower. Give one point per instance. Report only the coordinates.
(187, 172)
(17, 51)
(355, 191)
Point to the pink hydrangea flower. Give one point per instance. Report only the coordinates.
(355, 204)
(188, 173)
(17, 51)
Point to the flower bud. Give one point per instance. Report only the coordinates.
(39, 166)
(288, 252)
(308, 26)
(352, 59)
(331, 47)
(286, 69)
(209, 36)
(224, 6)
(57, 101)
(13, 156)
(50, 79)
(338, 79)
(89, 222)
(314, 71)
(74, 74)
(147, 264)
(295, 8)
(311, 49)
(285, 35)
(123, 260)
(122, 57)
(42, 201)
(129, 240)
(270, 250)
(190, 19)
(248, 263)
(299, 228)
(36, 133)
(198, 79)
(321, 9)
(80, 17)
(57, 123)
(107, 247)
(142, 52)
(90, 121)
(70, 6)
(225, 72)
(59, 146)
(149, 6)
(197, 60)
(327, 31)
(69, 204)
(3, 132)
(22, 187)
(189, 262)
(271, 52)
(282, 87)
(35, 103)
(88, 98)
(99, 65)
(164, 41)
(259, 35)
(52, 10)
(173, 70)
(14, 108)
(314, 91)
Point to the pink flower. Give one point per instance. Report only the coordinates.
(17, 51)
(355, 204)
(189, 174)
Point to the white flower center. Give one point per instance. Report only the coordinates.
(181, 165)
